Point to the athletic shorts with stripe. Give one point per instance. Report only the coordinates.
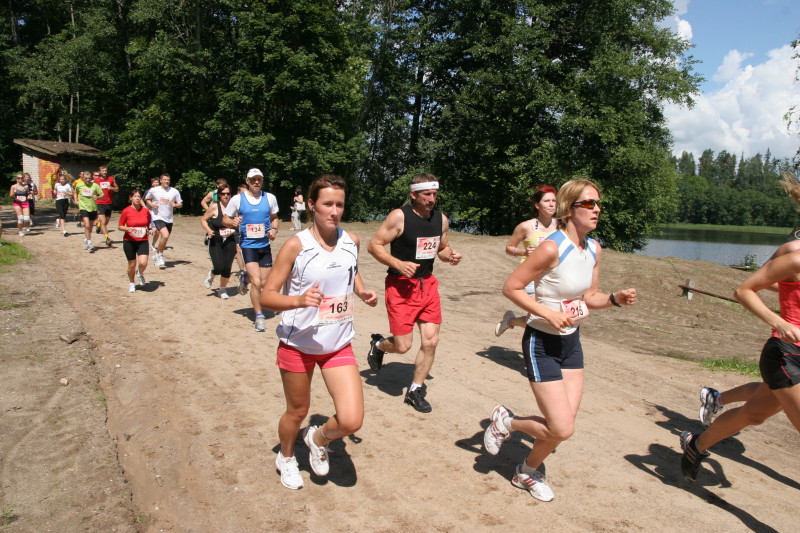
(546, 355)
(780, 364)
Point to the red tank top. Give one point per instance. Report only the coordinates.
(789, 299)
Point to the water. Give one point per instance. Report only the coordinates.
(723, 247)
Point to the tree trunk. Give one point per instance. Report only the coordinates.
(13, 20)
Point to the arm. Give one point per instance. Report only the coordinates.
(233, 209)
(517, 237)
(208, 215)
(123, 219)
(274, 224)
(598, 300)
(445, 253)
(114, 186)
(206, 201)
(781, 268)
(271, 297)
(391, 228)
(368, 297)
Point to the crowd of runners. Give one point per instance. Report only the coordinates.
(314, 281)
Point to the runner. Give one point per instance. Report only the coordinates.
(221, 240)
(255, 213)
(417, 233)
(780, 357)
(530, 233)
(298, 208)
(81, 179)
(314, 283)
(242, 274)
(134, 221)
(566, 269)
(33, 193)
(163, 201)
(88, 192)
(63, 194)
(104, 205)
(153, 184)
(19, 194)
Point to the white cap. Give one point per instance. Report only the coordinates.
(254, 172)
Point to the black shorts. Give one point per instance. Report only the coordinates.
(61, 207)
(91, 215)
(159, 224)
(134, 248)
(780, 364)
(104, 209)
(546, 355)
(262, 256)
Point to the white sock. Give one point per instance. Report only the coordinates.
(507, 423)
(527, 469)
(413, 387)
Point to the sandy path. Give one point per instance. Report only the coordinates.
(193, 400)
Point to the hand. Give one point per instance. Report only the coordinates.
(210, 233)
(559, 320)
(369, 297)
(455, 257)
(312, 297)
(272, 233)
(407, 268)
(626, 297)
(237, 220)
(788, 332)
(529, 250)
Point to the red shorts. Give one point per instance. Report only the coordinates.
(411, 300)
(293, 360)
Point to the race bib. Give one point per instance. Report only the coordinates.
(575, 308)
(336, 310)
(105, 185)
(86, 192)
(163, 200)
(540, 239)
(255, 231)
(61, 195)
(226, 232)
(427, 247)
(137, 232)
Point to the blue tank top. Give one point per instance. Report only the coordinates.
(256, 219)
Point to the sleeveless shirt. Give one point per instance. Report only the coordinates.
(252, 215)
(536, 238)
(789, 301)
(419, 241)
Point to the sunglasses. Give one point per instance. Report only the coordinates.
(587, 204)
(224, 194)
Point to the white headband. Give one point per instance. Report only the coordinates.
(428, 185)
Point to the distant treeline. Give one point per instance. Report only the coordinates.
(727, 190)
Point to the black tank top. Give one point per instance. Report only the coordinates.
(419, 241)
(216, 222)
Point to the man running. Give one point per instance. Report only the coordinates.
(87, 193)
(109, 187)
(163, 201)
(255, 213)
(417, 234)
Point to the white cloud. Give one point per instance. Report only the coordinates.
(681, 6)
(680, 26)
(746, 114)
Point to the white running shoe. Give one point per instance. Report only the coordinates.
(85, 244)
(534, 483)
(21, 233)
(161, 263)
(209, 280)
(290, 474)
(504, 324)
(260, 323)
(709, 405)
(140, 278)
(496, 433)
(317, 455)
(132, 288)
(89, 246)
(223, 293)
(153, 249)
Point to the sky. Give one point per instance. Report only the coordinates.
(746, 59)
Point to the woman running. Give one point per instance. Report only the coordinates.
(221, 240)
(566, 270)
(19, 194)
(526, 237)
(63, 192)
(317, 270)
(135, 222)
(780, 360)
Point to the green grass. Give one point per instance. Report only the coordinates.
(715, 227)
(11, 253)
(7, 516)
(748, 368)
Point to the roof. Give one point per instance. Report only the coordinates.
(59, 149)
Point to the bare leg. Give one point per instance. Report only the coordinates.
(344, 386)
(429, 334)
(297, 390)
(742, 393)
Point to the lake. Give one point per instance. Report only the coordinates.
(723, 247)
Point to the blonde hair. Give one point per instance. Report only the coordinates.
(792, 187)
(567, 195)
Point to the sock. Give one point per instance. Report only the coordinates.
(507, 423)
(259, 314)
(413, 387)
(527, 469)
(105, 235)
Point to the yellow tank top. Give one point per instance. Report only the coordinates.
(539, 234)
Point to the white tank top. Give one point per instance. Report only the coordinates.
(564, 285)
(328, 328)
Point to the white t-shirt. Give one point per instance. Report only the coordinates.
(63, 192)
(233, 206)
(163, 197)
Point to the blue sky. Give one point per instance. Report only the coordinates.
(746, 54)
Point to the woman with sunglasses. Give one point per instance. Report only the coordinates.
(221, 241)
(526, 237)
(565, 268)
(314, 282)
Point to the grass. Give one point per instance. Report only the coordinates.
(7, 516)
(734, 364)
(715, 227)
(11, 253)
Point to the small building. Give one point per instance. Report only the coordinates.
(43, 159)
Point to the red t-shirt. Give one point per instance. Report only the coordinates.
(106, 185)
(137, 220)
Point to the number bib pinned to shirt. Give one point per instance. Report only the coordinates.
(137, 232)
(163, 200)
(575, 308)
(226, 232)
(336, 310)
(255, 231)
(427, 247)
(105, 185)
(87, 192)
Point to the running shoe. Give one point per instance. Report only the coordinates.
(161, 263)
(89, 246)
(709, 405)
(21, 233)
(692, 457)
(416, 399)
(534, 483)
(85, 244)
(290, 474)
(504, 324)
(140, 278)
(375, 354)
(261, 323)
(98, 230)
(66, 234)
(132, 287)
(497, 432)
(242, 282)
(209, 280)
(317, 455)
(223, 293)
(109, 242)
(27, 230)
(153, 249)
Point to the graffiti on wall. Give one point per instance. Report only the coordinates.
(48, 175)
